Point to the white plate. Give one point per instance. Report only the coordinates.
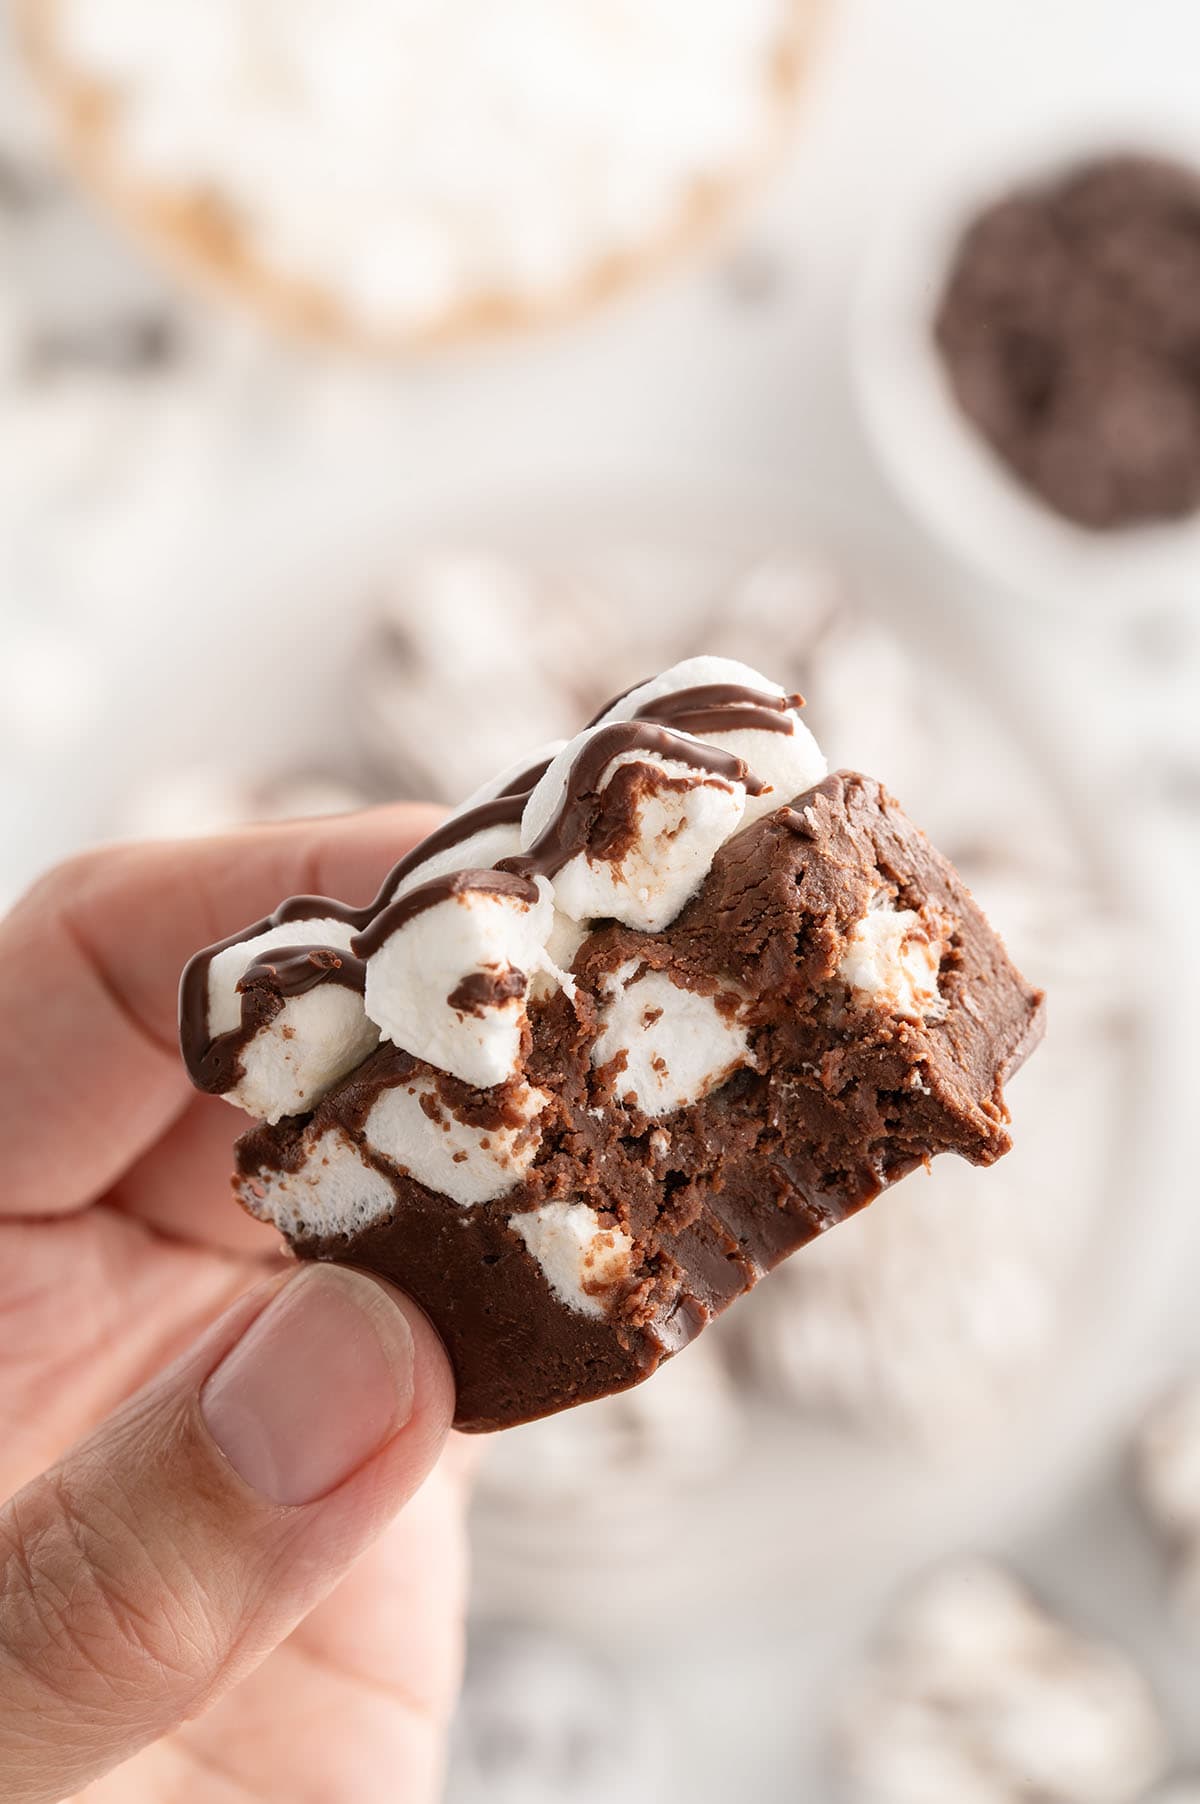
(940, 464)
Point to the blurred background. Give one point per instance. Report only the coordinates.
(370, 370)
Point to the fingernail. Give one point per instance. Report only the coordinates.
(319, 1382)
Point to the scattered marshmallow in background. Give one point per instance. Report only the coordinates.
(808, 620)
(542, 1721)
(472, 656)
(976, 1694)
(1167, 1477)
(920, 1319)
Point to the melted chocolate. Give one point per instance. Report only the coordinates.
(528, 779)
(504, 810)
(569, 830)
(499, 882)
(796, 821)
(480, 991)
(214, 1060)
(712, 708)
(722, 708)
(291, 970)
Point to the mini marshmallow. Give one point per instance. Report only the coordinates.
(677, 1044)
(420, 966)
(1168, 1462)
(978, 1696)
(1168, 1479)
(335, 1191)
(891, 961)
(562, 948)
(415, 1128)
(678, 833)
(786, 763)
(580, 1259)
(315, 1039)
(482, 850)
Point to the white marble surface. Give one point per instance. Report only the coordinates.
(180, 523)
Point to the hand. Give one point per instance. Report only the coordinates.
(181, 1588)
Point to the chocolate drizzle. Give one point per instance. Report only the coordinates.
(521, 786)
(214, 1061)
(504, 810)
(499, 882)
(568, 831)
(722, 708)
(292, 970)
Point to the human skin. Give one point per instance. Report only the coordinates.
(231, 1563)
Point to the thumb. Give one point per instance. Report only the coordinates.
(165, 1555)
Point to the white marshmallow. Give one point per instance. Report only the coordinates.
(478, 852)
(485, 849)
(679, 831)
(581, 1260)
(335, 1191)
(562, 948)
(677, 1044)
(413, 974)
(787, 763)
(315, 1039)
(468, 1164)
(979, 1696)
(886, 964)
(497, 785)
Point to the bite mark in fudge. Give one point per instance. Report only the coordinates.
(817, 1008)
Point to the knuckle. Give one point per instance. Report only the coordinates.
(90, 1615)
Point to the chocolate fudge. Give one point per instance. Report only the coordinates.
(641, 1020)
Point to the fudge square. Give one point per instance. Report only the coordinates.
(645, 1016)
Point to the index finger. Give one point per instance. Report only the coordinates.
(90, 959)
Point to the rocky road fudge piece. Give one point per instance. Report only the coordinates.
(636, 1023)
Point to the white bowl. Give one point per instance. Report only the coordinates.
(938, 461)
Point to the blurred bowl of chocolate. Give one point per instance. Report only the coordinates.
(1026, 354)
